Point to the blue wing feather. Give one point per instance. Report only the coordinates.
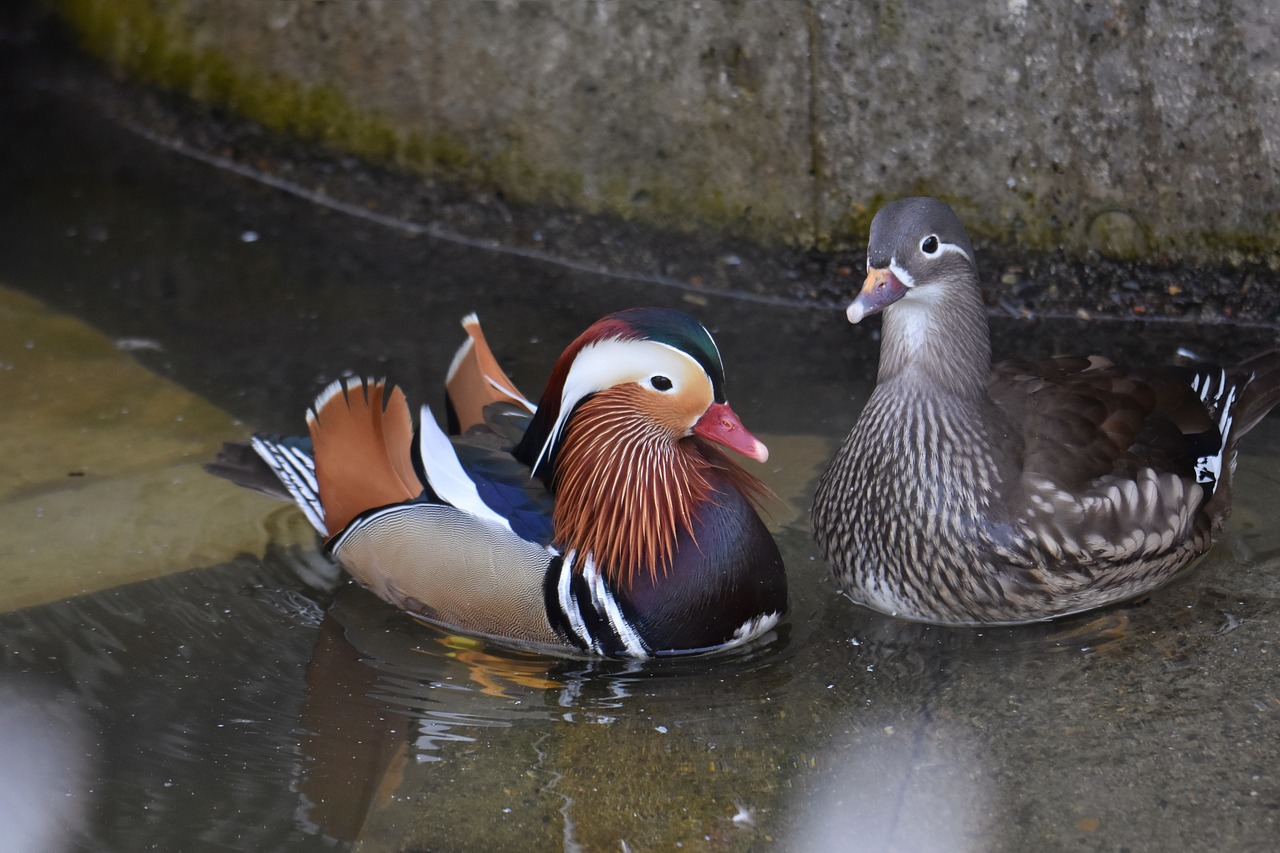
(506, 487)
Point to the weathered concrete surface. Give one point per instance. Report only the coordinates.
(1135, 129)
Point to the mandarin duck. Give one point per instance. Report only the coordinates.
(606, 519)
(970, 494)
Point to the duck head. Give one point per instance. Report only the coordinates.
(627, 439)
(660, 374)
(922, 274)
(918, 249)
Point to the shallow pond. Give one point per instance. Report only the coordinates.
(183, 671)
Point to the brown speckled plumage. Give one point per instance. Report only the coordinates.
(971, 494)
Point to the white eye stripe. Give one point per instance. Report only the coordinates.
(949, 247)
(612, 362)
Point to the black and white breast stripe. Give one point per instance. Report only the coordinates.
(582, 608)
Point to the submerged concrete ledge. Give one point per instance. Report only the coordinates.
(1140, 131)
(104, 458)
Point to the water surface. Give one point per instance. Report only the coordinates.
(239, 696)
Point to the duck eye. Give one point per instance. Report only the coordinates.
(929, 245)
(660, 383)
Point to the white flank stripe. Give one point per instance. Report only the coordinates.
(445, 474)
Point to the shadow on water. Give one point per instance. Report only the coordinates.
(261, 704)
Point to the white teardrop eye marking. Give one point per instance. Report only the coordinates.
(930, 245)
(609, 362)
(660, 382)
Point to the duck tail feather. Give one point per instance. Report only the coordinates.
(1261, 393)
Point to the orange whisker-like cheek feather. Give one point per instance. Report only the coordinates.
(625, 487)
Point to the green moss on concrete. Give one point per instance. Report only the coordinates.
(151, 40)
(1254, 247)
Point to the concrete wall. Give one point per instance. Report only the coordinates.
(1139, 129)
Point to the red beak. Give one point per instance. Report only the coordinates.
(721, 425)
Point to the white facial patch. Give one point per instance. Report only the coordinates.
(901, 274)
(614, 362)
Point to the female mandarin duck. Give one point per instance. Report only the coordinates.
(971, 494)
(604, 520)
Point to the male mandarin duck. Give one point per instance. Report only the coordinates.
(604, 520)
(968, 493)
